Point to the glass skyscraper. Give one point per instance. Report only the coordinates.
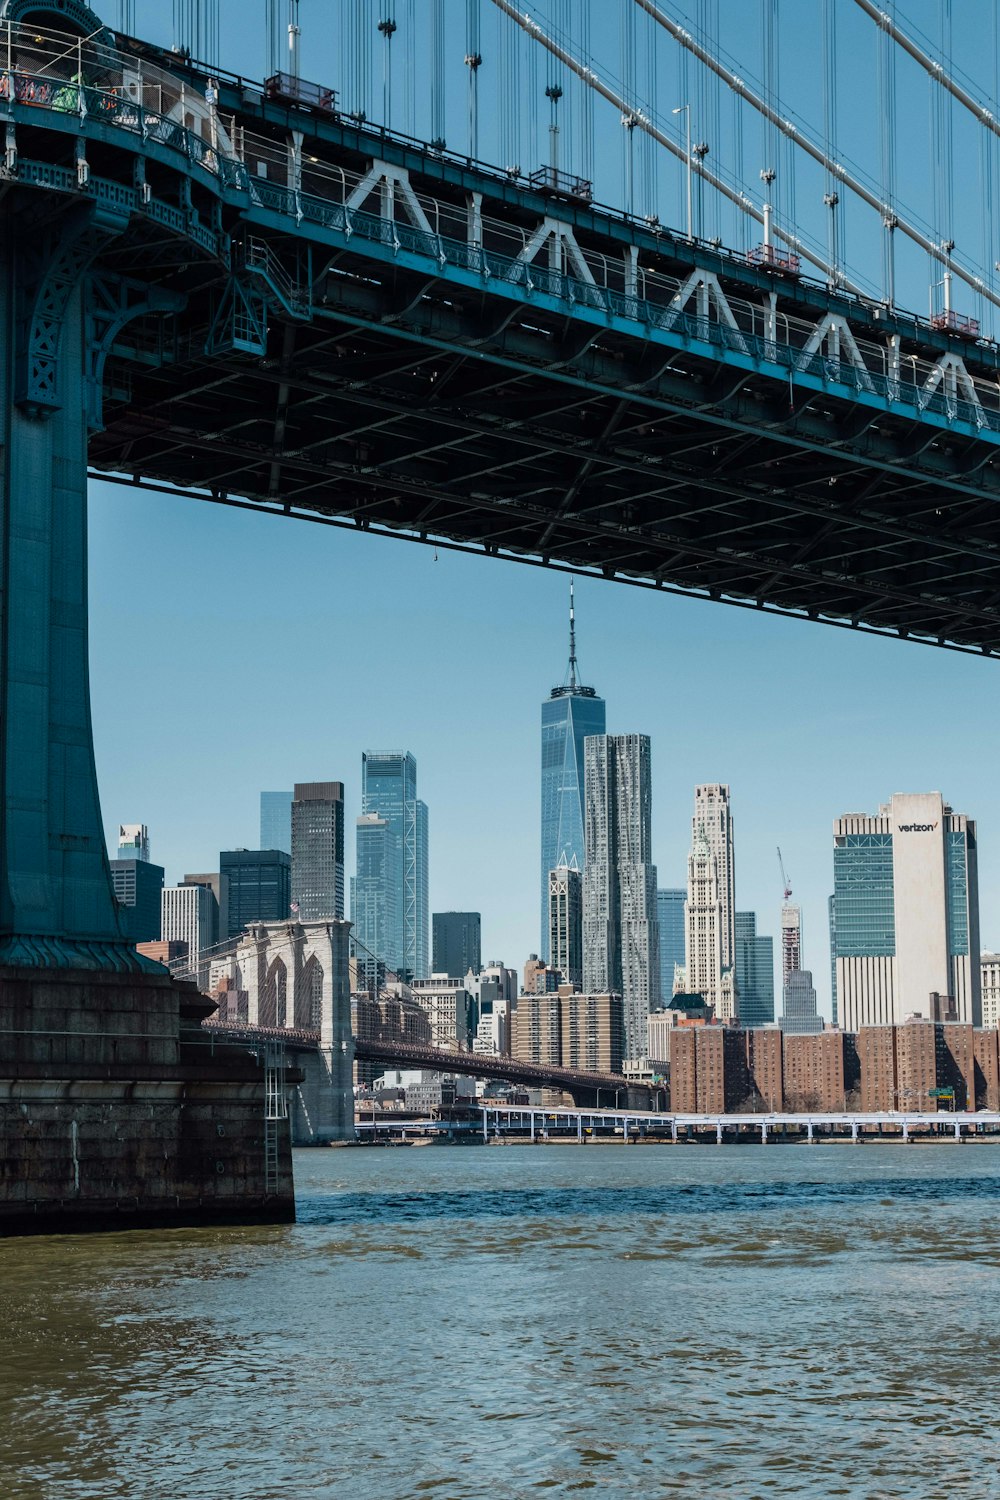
(374, 895)
(754, 972)
(276, 821)
(569, 714)
(670, 914)
(389, 789)
(457, 943)
(798, 1016)
(260, 886)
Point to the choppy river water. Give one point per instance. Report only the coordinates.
(455, 1323)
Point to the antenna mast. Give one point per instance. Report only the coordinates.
(572, 637)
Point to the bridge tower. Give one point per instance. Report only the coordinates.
(56, 904)
(174, 1132)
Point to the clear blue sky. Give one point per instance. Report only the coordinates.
(233, 652)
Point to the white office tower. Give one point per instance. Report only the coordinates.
(713, 817)
(906, 895)
(187, 915)
(706, 972)
(791, 940)
(620, 927)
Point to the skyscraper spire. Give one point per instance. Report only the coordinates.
(572, 637)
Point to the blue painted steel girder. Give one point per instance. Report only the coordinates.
(401, 286)
(706, 482)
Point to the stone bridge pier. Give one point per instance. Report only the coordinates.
(296, 977)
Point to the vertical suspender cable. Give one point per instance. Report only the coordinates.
(684, 98)
(831, 197)
(668, 141)
(715, 126)
(473, 61)
(942, 166)
(586, 97)
(355, 51)
(771, 141)
(506, 40)
(534, 149)
(409, 51)
(368, 58)
(387, 30)
(804, 143)
(649, 154)
(437, 75)
(948, 122)
(886, 100)
(989, 257)
(740, 226)
(626, 36)
(700, 108)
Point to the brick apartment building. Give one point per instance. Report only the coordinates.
(719, 1069)
(569, 1030)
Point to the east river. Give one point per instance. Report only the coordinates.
(459, 1323)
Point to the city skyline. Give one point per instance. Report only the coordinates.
(863, 730)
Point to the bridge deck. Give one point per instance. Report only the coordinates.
(377, 335)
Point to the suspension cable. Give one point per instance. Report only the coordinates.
(532, 28)
(935, 251)
(931, 66)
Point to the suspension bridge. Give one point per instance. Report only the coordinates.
(271, 294)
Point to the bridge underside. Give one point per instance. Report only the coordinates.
(465, 419)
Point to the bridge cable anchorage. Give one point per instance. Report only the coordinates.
(675, 147)
(839, 171)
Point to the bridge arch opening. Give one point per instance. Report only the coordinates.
(274, 1004)
(309, 995)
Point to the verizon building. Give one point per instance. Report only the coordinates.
(906, 892)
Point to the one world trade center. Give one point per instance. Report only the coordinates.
(569, 714)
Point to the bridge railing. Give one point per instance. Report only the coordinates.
(46, 69)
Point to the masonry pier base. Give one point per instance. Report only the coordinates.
(117, 1112)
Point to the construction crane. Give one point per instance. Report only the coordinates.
(784, 878)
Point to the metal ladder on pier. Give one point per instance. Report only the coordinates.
(275, 1112)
